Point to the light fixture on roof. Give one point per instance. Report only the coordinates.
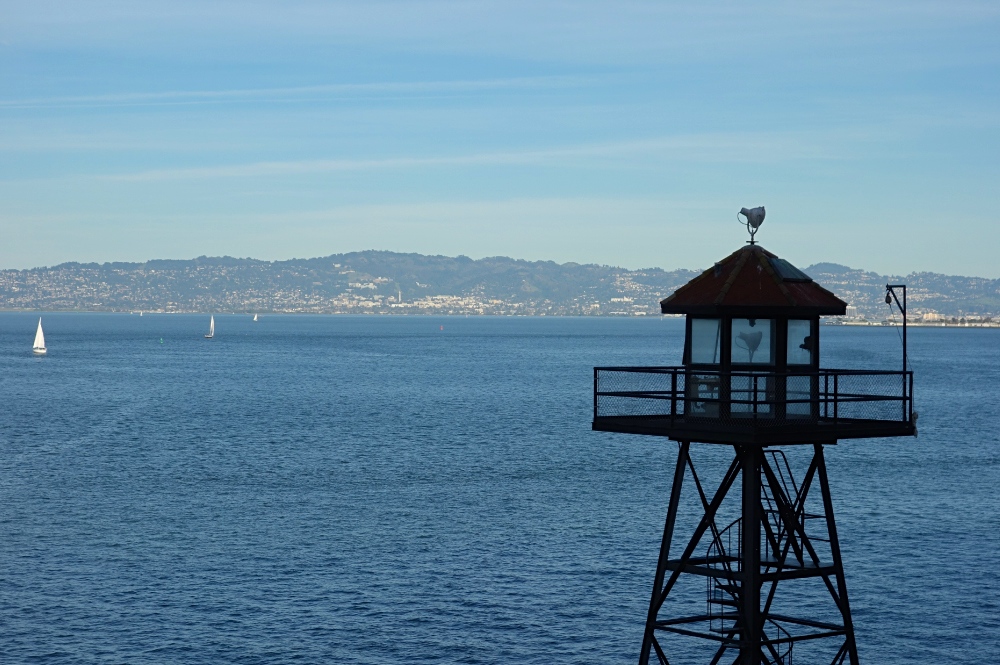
(754, 218)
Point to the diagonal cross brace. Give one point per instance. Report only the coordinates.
(709, 517)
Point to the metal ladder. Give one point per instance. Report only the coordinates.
(723, 594)
(725, 556)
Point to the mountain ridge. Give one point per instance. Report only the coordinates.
(394, 282)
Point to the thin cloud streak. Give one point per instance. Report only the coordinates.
(741, 148)
(445, 211)
(186, 97)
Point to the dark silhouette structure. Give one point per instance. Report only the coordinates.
(751, 380)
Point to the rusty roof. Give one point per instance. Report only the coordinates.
(752, 278)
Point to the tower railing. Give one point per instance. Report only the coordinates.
(753, 398)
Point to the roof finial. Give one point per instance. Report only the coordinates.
(755, 217)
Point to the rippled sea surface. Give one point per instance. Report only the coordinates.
(428, 490)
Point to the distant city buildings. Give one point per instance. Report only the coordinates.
(388, 283)
(318, 286)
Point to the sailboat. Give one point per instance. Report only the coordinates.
(211, 328)
(255, 318)
(39, 346)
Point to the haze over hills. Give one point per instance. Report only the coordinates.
(388, 282)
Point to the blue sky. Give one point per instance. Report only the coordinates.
(625, 133)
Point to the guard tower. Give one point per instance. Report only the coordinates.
(751, 380)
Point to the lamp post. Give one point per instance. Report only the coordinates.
(890, 296)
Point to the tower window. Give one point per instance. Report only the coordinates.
(705, 341)
(752, 342)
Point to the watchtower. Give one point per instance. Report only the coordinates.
(751, 380)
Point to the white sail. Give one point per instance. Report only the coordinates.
(211, 327)
(39, 346)
(254, 317)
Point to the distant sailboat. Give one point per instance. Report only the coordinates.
(211, 328)
(255, 318)
(39, 347)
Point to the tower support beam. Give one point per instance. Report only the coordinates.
(845, 607)
(750, 584)
(737, 571)
(661, 567)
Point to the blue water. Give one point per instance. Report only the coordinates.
(381, 490)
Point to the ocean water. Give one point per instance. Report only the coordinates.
(428, 490)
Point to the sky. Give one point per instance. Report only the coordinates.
(624, 133)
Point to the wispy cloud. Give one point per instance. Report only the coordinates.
(731, 148)
(298, 93)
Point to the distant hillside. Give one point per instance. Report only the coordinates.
(388, 282)
(926, 291)
(371, 281)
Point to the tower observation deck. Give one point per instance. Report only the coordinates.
(751, 379)
(751, 371)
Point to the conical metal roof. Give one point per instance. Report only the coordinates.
(752, 280)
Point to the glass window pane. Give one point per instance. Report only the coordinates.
(752, 341)
(705, 345)
(800, 342)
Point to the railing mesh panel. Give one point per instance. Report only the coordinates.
(643, 393)
(766, 398)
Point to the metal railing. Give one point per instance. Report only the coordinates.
(767, 398)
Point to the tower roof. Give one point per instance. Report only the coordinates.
(752, 280)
